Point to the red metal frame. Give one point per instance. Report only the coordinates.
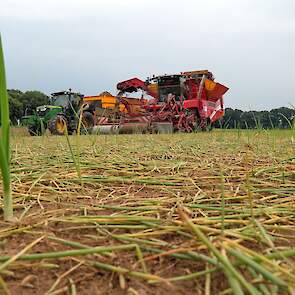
(200, 106)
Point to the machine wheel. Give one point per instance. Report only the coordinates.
(207, 126)
(33, 130)
(58, 125)
(87, 122)
(37, 129)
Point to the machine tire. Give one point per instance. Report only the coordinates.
(37, 129)
(33, 130)
(87, 122)
(207, 126)
(57, 125)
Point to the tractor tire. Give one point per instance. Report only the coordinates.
(87, 122)
(37, 129)
(58, 125)
(33, 130)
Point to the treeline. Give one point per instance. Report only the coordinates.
(24, 103)
(276, 118)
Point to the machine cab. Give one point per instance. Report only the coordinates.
(164, 85)
(66, 99)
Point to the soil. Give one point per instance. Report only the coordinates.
(131, 193)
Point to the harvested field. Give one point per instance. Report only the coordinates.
(203, 213)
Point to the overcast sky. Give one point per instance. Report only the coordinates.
(90, 45)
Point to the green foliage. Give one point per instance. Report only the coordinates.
(15, 106)
(275, 118)
(24, 103)
(31, 100)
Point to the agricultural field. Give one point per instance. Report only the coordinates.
(205, 213)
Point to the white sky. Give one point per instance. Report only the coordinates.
(90, 45)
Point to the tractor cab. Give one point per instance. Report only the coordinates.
(66, 99)
(69, 103)
(165, 85)
(176, 84)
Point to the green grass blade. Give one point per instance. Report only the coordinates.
(4, 141)
(5, 124)
(257, 267)
(235, 278)
(7, 199)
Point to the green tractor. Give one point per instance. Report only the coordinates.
(38, 123)
(61, 116)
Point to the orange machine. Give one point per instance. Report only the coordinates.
(107, 101)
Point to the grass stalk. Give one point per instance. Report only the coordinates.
(58, 280)
(122, 270)
(222, 203)
(257, 267)
(235, 278)
(4, 142)
(4, 287)
(67, 253)
(73, 287)
(76, 162)
(19, 254)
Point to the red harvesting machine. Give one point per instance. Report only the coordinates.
(185, 102)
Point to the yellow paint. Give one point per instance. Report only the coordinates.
(209, 85)
(153, 88)
(60, 126)
(110, 102)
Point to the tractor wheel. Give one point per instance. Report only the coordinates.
(37, 129)
(33, 130)
(58, 125)
(87, 122)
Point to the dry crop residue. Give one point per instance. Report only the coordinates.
(152, 214)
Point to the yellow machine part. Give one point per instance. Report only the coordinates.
(209, 85)
(60, 125)
(200, 72)
(153, 88)
(109, 102)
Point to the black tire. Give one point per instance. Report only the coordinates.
(207, 126)
(37, 129)
(87, 122)
(33, 130)
(57, 125)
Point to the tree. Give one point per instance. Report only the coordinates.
(15, 105)
(283, 117)
(276, 118)
(31, 100)
(231, 118)
(21, 103)
(15, 109)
